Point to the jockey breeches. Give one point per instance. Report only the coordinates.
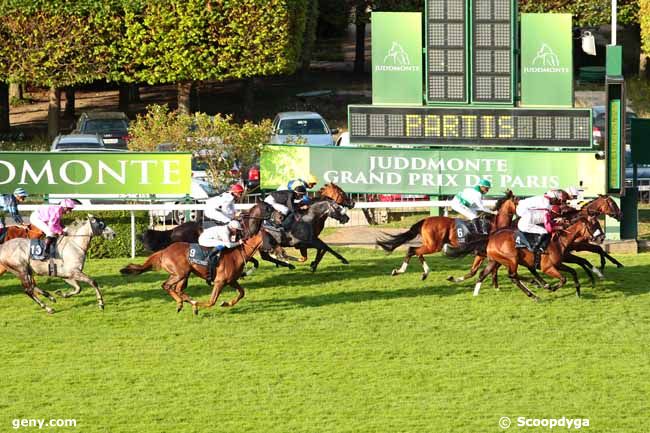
(530, 221)
(462, 209)
(35, 221)
(277, 206)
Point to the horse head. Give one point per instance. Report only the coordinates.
(506, 208)
(335, 193)
(587, 229)
(327, 208)
(99, 228)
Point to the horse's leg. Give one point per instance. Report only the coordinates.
(597, 249)
(44, 293)
(180, 291)
(303, 255)
(492, 265)
(425, 268)
(240, 294)
(565, 268)
(478, 260)
(552, 271)
(319, 244)
(75, 291)
(317, 259)
(216, 291)
(28, 286)
(256, 264)
(495, 276)
(169, 286)
(537, 279)
(584, 263)
(405, 262)
(80, 276)
(266, 256)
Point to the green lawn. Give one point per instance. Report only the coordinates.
(348, 349)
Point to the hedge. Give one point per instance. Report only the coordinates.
(120, 222)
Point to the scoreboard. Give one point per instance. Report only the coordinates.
(471, 126)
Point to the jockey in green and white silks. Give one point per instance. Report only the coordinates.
(470, 200)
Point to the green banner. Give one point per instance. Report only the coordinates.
(96, 173)
(546, 60)
(614, 145)
(432, 172)
(397, 58)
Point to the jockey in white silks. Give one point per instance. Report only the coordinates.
(535, 217)
(222, 207)
(470, 200)
(219, 237)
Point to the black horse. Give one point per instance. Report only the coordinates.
(302, 233)
(156, 240)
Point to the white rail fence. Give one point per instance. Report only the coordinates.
(162, 209)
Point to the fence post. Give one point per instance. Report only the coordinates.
(133, 234)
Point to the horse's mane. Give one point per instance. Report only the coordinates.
(508, 195)
(76, 224)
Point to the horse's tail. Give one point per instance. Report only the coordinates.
(390, 242)
(152, 262)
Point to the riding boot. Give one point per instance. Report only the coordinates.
(213, 260)
(288, 221)
(542, 243)
(50, 247)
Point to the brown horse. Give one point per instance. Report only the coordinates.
(173, 260)
(603, 204)
(22, 231)
(438, 231)
(501, 250)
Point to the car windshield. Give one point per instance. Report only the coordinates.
(199, 164)
(105, 125)
(302, 127)
(78, 145)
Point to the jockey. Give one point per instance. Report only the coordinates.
(48, 220)
(532, 212)
(575, 192)
(9, 203)
(284, 202)
(219, 237)
(222, 207)
(470, 200)
(557, 196)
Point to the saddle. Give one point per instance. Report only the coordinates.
(527, 240)
(472, 231)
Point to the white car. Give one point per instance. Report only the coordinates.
(290, 127)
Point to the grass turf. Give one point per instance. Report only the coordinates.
(348, 349)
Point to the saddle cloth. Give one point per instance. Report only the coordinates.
(198, 254)
(37, 249)
(525, 240)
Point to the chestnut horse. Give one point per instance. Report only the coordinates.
(440, 230)
(22, 231)
(501, 250)
(173, 260)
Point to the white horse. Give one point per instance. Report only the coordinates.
(69, 260)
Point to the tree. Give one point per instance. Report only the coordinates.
(217, 139)
(644, 21)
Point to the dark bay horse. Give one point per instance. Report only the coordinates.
(439, 231)
(501, 250)
(173, 260)
(156, 240)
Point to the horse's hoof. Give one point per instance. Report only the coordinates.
(313, 268)
(49, 310)
(58, 293)
(195, 311)
(345, 262)
(290, 266)
(302, 259)
(535, 299)
(424, 276)
(393, 272)
(52, 298)
(179, 308)
(620, 265)
(101, 307)
(225, 304)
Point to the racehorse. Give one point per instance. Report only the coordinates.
(603, 204)
(302, 235)
(501, 250)
(174, 261)
(21, 231)
(156, 240)
(257, 214)
(439, 231)
(69, 260)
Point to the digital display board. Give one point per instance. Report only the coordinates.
(472, 126)
(446, 51)
(492, 55)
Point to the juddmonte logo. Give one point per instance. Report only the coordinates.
(96, 173)
(546, 61)
(397, 59)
